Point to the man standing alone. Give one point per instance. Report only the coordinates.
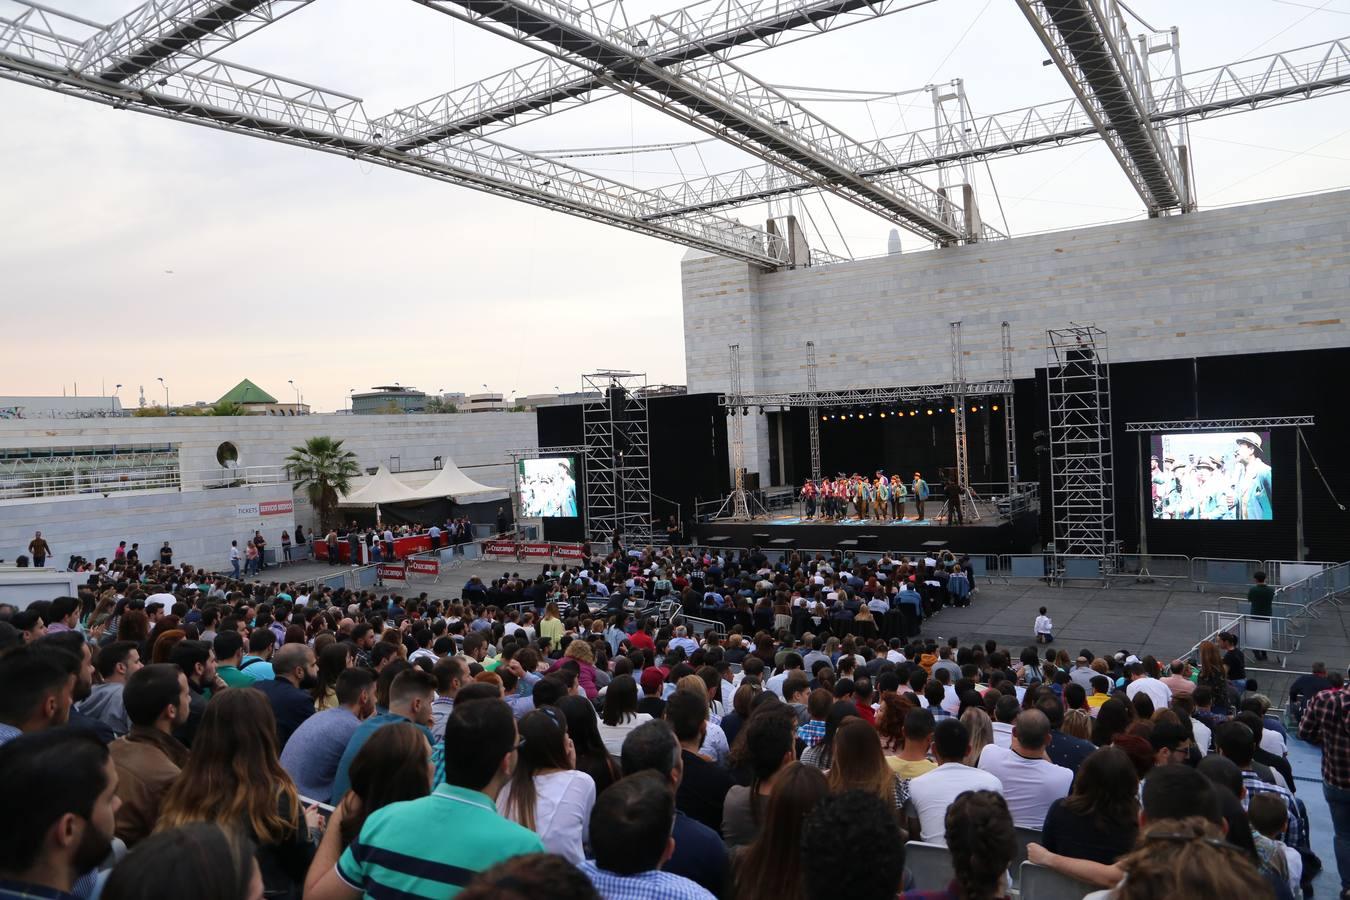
(39, 550)
(1261, 596)
(920, 489)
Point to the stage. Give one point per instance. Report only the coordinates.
(991, 534)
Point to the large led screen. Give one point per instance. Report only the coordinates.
(1211, 476)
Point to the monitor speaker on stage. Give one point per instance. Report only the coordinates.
(752, 481)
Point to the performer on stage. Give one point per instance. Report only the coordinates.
(897, 498)
(809, 498)
(920, 489)
(883, 495)
(1252, 500)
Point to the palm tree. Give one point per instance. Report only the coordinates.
(324, 470)
(228, 408)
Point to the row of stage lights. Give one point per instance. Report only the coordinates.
(897, 414)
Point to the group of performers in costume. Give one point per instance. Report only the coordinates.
(1213, 487)
(880, 497)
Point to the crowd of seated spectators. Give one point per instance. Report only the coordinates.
(172, 733)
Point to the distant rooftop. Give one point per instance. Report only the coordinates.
(245, 393)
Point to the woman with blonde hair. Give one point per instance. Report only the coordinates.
(233, 778)
(551, 626)
(859, 764)
(580, 654)
(1077, 723)
(715, 743)
(981, 729)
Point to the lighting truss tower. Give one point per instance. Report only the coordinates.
(618, 455)
(1081, 500)
(959, 424)
(738, 503)
(1009, 423)
(813, 412)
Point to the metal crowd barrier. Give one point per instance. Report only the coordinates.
(1309, 593)
(1034, 566)
(1206, 570)
(1276, 634)
(701, 626)
(1159, 567)
(1288, 571)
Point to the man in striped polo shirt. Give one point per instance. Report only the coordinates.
(433, 846)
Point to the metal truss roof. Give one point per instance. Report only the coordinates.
(1219, 424)
(162, 59)
(891, 396)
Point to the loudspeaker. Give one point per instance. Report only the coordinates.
(752, 481)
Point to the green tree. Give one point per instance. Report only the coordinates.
(150, 412)
(324, 470)
(435, 405)
(227, 408)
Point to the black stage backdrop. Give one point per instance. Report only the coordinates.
(689, 459)
(896, 443)
(1305, 382)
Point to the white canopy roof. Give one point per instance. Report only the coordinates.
(382, 488)
(385, 488)
(451, 482)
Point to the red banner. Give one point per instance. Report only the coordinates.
(425, 566)
(544, 550)
(500, 548)
(276, 507)
(569, 551)
(409, 545)
(392, 573)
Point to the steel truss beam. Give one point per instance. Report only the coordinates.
(1090, 44)
(730, 28)
(869, 396)
(725, 101)
(618, 456)
(161, 35)
(1300, 74)
(1219, 424)
(247, 101)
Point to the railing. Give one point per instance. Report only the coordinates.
(1273, 634)
(1311, 592)
(105, 481)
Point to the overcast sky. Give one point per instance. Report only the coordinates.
(133, 248)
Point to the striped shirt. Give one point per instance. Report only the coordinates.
(432, 846)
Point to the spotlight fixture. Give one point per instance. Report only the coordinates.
(952, 410)
(913, 412)
(994, 407)
(973, 409)
(930, 412)
(745, 410)
(883, 415)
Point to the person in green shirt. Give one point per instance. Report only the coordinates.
(433, 846)
(1261, 596)
(229, 647)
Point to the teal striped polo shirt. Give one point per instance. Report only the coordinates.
(431, 847)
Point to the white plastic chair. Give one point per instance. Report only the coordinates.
(1042, 883)
(930, 865)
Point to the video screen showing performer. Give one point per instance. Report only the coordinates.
(1211, 476)
(548, 488)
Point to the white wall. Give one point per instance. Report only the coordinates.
(200, 524)
(1265, 277)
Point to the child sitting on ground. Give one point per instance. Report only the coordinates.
(1270, 817)
(1044, 628)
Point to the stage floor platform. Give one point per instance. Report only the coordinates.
(788, 531)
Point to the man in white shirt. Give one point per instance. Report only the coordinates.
(932, 792)
(1005, 713)
(683, 641)
(792, 662)
(1159, 693)
(1031, 782)
(879, 605)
